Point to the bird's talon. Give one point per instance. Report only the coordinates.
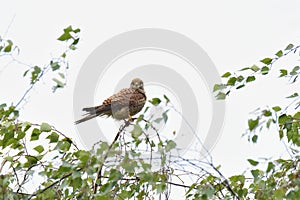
(130, 119)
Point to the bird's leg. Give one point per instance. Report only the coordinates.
(130, 119)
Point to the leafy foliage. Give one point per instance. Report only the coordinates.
(239, 79)
(119, 170)
(280, 179)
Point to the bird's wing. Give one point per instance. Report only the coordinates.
(121, 99)
(126, 98)
(118, 100)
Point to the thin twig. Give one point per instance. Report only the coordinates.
(2, 165)
(51, 185)
(60, 133)
(9, 25)
(99, 172)
(226, 184)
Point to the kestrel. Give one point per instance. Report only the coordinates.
(122, 105)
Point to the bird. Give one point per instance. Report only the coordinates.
(120, 106)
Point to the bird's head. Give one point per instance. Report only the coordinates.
(137, 83)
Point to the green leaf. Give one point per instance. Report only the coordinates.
(146, 109)
(53, 137)
(265, 70)
(72, 47)
(283, 119)
(253, 162)
(155, 101)
(266, 61)
(240, 86)
(103, 147)
(115, 175)
(293, 95)
(255, 173)
(283, 72)
(35, 134)
(231, 81)
(58, 82)
(65, 36)
(37, 69)
(289, 47)
(21, 135)
(276, 108)
(208, 193)
(279, 53)
(280, 134)
(250, 79)
(270, 167)
(31, 160)
(2, 106)
(161, 188)
(221, 95)
(45, 127)
(26, 72)
(267, 113)
(219, 87)
(237, 178)
(8, 139)
(269, 122)
(165, 116)
(254, 138)
(35, 74)
(255, 68)
(63, 145)
(136, 132)
(295, 71)
(76, 30)
(216, 87)
(240, 78)
(146, 166)
(61, 75)
(129, 165)
(83, 156)
(244, 69)
(9, 158)
(39, 148)
(75, 41)
(68, 29)
(8, 47)
(296, 115)
(227, 74)
(253, 123)
(54, 65)
(170, 145)
(166, 98)
(280, 193)
(158, 120)
(191, 188)
(289, 135)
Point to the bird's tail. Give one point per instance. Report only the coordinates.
(88, 117)
(90, 110)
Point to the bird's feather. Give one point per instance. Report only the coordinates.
(127, 102)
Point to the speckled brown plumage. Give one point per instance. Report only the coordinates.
(127, 102)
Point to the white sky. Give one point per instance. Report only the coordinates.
(234, 34)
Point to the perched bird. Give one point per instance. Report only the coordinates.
(122, 105)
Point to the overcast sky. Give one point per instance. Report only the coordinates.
(233, 33)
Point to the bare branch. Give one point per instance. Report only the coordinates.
(99, 172)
